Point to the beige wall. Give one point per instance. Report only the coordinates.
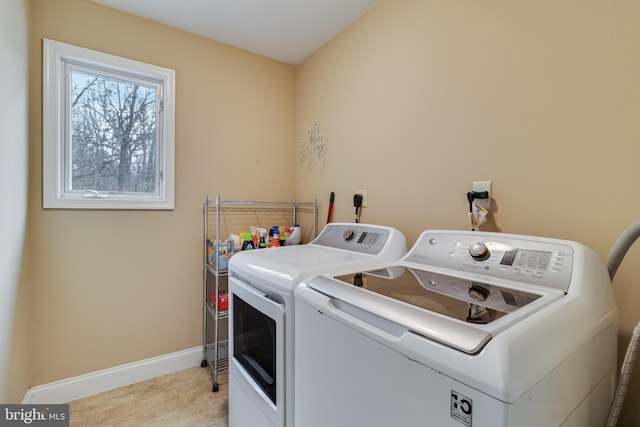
(419, 98)
(14, 122)
(112, 287)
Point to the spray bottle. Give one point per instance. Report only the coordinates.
(254, 237)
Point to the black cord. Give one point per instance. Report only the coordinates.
(471, 196)
(357, 202)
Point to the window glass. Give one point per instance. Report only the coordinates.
(113, 134)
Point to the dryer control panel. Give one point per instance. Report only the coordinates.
(544, 262)
(364, 238)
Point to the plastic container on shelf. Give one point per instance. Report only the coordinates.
(247, 242)
(275, 238)
(295, 236)
(262, 243)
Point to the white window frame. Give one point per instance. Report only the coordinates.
(56, 57)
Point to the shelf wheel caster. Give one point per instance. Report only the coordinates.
(204, 363)
(216, 387)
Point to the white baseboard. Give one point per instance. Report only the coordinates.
(69, 389)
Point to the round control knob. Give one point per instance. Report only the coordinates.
(348, 235)
(478, 293)
(479, 251)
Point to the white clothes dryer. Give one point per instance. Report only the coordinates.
(261, 320)
(468, 329)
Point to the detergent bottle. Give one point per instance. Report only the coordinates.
(295, 236)
(248, 242)
(275, 240)
(262, 242)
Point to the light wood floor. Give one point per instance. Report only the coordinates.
(182, 398)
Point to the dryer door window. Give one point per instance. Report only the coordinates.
(254, 344)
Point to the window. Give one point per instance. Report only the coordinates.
(108, 131)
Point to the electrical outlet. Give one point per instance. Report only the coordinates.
(363, 193)
(480, 186)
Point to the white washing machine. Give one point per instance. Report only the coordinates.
(261, 321)
(468, 329)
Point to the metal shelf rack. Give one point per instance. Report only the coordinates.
(221, 217)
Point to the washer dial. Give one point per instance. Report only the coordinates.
(479, 251)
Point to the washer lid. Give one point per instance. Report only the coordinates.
(458, 312)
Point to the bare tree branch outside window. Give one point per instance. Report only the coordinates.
(113, 134)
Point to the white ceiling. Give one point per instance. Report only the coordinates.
(286, 30)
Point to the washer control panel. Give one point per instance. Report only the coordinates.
(546, 262)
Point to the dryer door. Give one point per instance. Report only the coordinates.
(257, 349)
